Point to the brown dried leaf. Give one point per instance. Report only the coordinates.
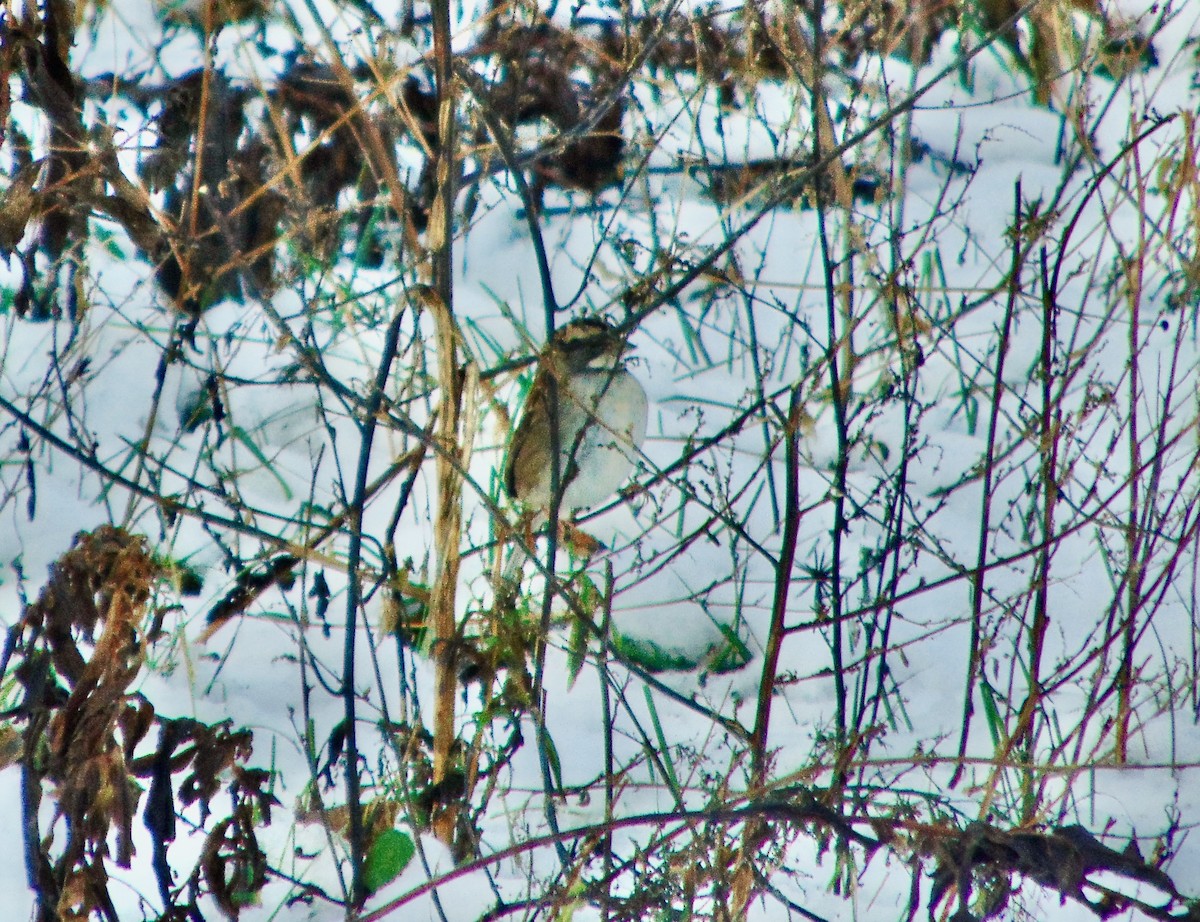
(19, 203)
(12, 748)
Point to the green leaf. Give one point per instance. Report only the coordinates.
(576, 650)
(590, 600)
(390, 855)
(650, 656)
(552, 759)
(995, 722)
(730, 656)
(663, 750)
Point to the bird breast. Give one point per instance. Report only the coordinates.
(609, 408)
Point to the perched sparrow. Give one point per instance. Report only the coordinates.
(601, 422)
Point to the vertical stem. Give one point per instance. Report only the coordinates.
(353, 601)
(783, 581)
(1023, 733)
(609, 757)
(1133, 534)
(840, 340)
(978, 579)
(449, 509)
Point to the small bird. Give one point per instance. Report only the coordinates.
(601, 412)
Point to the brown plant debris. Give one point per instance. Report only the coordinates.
(313, 157)
(84, 646)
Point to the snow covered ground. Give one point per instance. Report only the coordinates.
(1092, 514)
